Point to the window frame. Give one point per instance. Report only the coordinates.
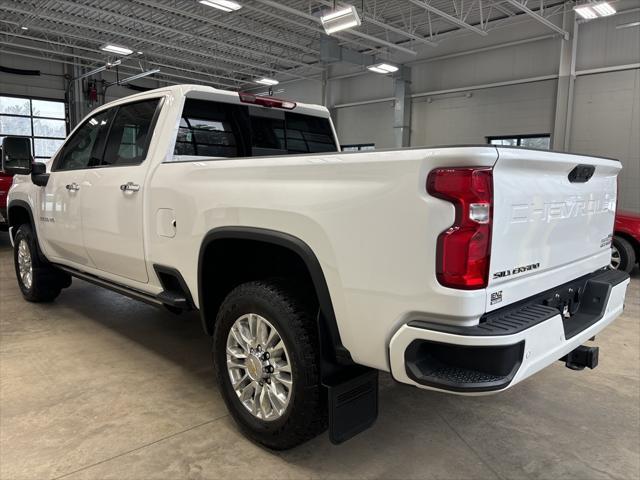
(55, 164)
(31, 117)
(115, 108)
(519, 139)
(152, 129)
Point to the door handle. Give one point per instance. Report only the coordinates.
(129, 187)
(72, 187)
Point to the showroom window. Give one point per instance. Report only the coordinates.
(358, 147)
(41, 120)
(540, 142)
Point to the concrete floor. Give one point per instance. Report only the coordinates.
(99, 386)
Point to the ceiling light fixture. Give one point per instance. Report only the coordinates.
(340, 20)
(224, 5)
(24, 28)
(585, 11)
(593, 10)
(604, 9)
(117, 49)
(383, 68)
(267, 81)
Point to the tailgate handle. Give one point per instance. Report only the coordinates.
(581, 173)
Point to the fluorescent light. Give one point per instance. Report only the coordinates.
(585, 11)
(383, 68)
(116, 49)
(139, 75)
(267, 81)
(388, 68)
(24, 28)
(628, 25)
(604, 9)
(224, 5)
(340, 20)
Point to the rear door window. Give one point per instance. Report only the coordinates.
(130, 133)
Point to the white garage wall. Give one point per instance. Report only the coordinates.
(50, 84)
(366, 124)
(458, 118)
(606, 121)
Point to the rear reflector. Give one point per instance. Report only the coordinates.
(463, 250)
(266, 101)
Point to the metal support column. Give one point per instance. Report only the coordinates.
(566, 80)
(402, 107)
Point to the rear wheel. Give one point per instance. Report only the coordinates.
(38, 280)
(267, 364)
(623, 257)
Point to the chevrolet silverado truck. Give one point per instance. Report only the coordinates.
(457, 269)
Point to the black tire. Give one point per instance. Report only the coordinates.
(626, 252)
(306, 415)
(47, 281)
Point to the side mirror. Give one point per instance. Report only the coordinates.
(39, 175)
(16, 155)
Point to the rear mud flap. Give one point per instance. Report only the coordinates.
(352, 402)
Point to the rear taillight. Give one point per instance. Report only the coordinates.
(464, 249)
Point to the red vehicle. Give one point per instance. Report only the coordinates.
(625, 249)
(5, 183)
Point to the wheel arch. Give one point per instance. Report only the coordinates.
(18, 213)
(327, 324)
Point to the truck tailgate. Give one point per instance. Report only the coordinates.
(552, 221)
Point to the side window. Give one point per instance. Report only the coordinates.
(130, 133)
(207, 130)
(84, 148)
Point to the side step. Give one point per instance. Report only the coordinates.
(463, 368)
(352, 402)
(174, 300)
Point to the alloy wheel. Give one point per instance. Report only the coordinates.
(25, 267)
(259, 367)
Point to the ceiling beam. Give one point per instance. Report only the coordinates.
(354, 32)
(448, 17)
(203, 53)
(539, 18)
(226, 26)
(382, 23)
(97, 60)
(200, 38)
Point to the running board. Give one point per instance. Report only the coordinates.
(116, 287)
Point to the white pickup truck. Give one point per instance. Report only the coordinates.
(458, 269)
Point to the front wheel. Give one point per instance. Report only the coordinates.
(38, 280)
(267, 363)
